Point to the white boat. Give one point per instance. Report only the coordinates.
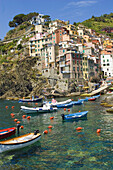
(54, 102)
(19, 142)
(46, 108)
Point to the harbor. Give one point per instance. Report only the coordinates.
(63, 145)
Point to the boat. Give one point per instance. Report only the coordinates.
(92, 99)
(83, 100)
(37, 99)
(67, 105)
(5, 133)
(55, 103)
(79, 102)
(45, 108)
(19, 142)
(78, 115)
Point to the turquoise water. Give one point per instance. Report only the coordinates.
(63, 147)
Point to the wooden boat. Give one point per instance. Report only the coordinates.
(79, 102)
(92, 99)
(4, 133)
(46, 108)
(31, 100)
(55, 103)
(19, 142)
(78, 115)
(84, 100)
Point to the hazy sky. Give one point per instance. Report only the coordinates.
(72, 10)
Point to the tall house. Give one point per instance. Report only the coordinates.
(60, 35)
(107, 63)
(41, 28)
(36, 43)
(72, 29)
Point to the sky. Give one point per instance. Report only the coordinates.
(72, 10)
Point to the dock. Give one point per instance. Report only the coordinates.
(95, 92)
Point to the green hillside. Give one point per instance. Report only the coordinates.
(99, 23)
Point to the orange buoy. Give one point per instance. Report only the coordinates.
(36, 103)
(6, 107)
(18, 122)
(51, 117)
(68, 110)
(28, 117)
(24, 116)
(50, 126)
(98, 130)
(64, 109)
(12, 107)
(72, 99)
(21, 127)
(28, 103)
(45, 132)
(79, 128)
(79, 111)
(15, 120)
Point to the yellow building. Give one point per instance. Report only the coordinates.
(72, 29)
(107, 42)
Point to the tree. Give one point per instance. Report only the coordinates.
(75, 23)
(18, 19)
(19, 47)
(12, 24)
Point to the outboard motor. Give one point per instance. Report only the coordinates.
(35, 132)
(62, 116)
(18, 127)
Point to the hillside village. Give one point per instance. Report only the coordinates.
(66, 55)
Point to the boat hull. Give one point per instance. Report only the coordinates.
(75, 116)
(37, 110)
(5, 146)
(5, 133)
(30, 100)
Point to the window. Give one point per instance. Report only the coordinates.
(104, 64)
(107, 64)
(107, 69)
(103, 61)
(107, 60)
(63, 50)
(77, 68)
(103, 56)
(73, 68)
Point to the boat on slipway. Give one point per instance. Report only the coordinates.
(19, 142)
(78, 115)
(5, 133)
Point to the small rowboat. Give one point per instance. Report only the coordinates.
(78, 115)
(31, 100)
(92, 99)
(79, 102)
(19, 142)
(5, 133)
(55, 103)
(64, 105)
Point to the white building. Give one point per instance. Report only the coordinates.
(36, 20)
(107, 64)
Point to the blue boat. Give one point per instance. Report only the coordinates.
(78, 115)
(65, 105)
(31, 100)
(79, 102)
(83, 100)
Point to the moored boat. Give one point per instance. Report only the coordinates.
(79, 102)
(92, 99)
(78, 115)
(5, 133)
(46, 108)
(19, 142)
(55, 103)
(31, 100)
(67, 105)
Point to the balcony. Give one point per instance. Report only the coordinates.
(65, 72)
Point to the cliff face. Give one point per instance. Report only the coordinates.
(21, 79)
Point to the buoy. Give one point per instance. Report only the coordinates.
(64, 109)
(45, 132)
(15, 120)
(18, 122)
(28, 103)
(72, 99)
(36, 103)
(51, 117)
(21, 127)
(79, 128)
(12, 107)
(24, 116)
(6, 107)
(68, 110)
(79, 111)
(50, 126)
(28, 117)
(98, 130)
